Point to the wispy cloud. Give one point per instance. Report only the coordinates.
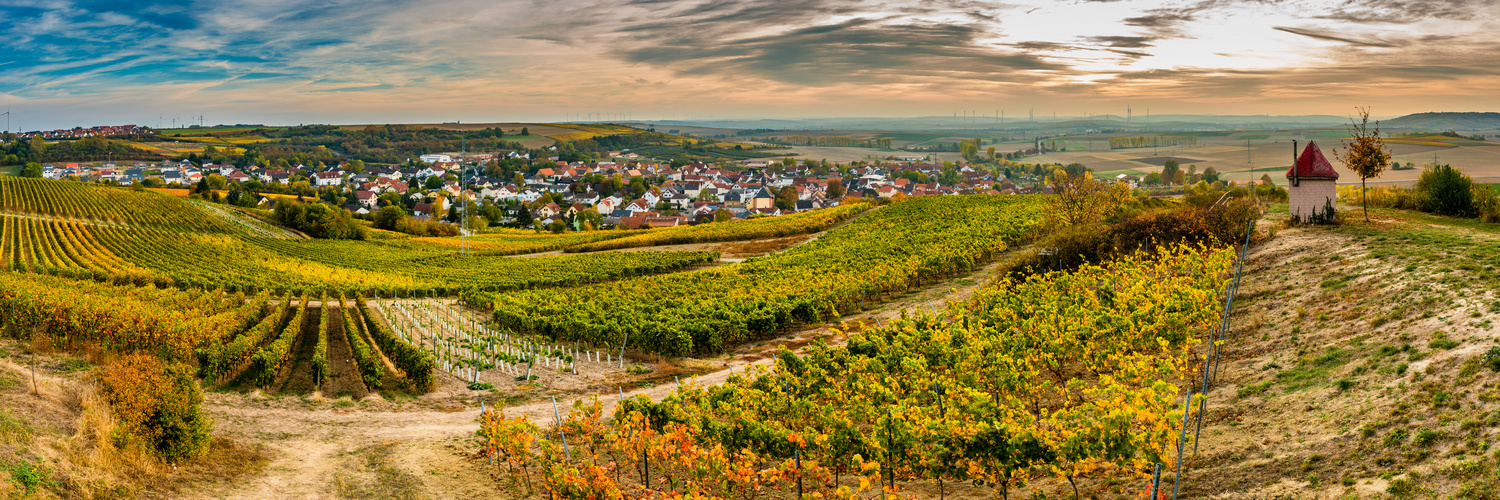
(397, 60)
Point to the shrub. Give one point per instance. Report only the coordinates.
(1492, 358)
(1220, 224)
(1395, 437)
(388, 216)
(1486, 204)
(1426, 437)
(1447, 191)
(157, 403)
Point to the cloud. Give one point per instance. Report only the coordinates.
(1409, 11)
(756, 56)
(1336, 36)
(1124, 42)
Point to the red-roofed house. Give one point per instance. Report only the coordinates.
(1311, 183)
(366, 198)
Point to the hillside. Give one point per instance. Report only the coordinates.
(1357, 365)
(1446, 121)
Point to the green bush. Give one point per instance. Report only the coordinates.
(1492, 358)
(1447, 191)
(157, 403)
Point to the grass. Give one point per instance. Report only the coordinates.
(11, 170)
(14, 430)
(1254, 137)
(1313, 371)
(389, 482)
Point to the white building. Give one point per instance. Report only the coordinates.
(436, 158)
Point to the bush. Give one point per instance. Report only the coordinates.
(1486, 204)
(1492, 358)
(431, 228)
(318, 220)
(1218, 224)
(1076, 245)
(1446, 191)
(388, 216)
(157, 403)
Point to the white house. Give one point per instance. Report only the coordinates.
(328, 179)
(436, 158)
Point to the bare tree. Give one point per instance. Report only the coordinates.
(1366, 155)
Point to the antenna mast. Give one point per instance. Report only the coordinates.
(462, 183)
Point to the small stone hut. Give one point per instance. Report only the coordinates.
(1311, 183)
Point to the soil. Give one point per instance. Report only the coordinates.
(343, 373)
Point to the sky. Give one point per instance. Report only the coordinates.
(155, 62)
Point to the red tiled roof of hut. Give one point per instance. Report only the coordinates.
(1312, 165)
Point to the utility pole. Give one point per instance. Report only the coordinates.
(1248, 161)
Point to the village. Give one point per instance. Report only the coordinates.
(628, 194)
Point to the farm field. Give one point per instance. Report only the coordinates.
(1272, 154)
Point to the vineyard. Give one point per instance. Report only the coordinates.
(410, 269)
(1064, 375)
(145, 255)
(167, 322)
(521, 241)
(847, 269)
(76, 200)
(739, 230)
(462, 345)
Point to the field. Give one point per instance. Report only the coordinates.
(1251, 154)
(175, 132)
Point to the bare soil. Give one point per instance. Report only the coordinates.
(343, 373)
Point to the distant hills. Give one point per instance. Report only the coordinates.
(1040, 124)
(1438, 122)
(1076, 124)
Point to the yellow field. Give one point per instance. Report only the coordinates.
(1422, 141)
(248, 139)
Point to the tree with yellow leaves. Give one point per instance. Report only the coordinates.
(1080, 199)
(1366, 155)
